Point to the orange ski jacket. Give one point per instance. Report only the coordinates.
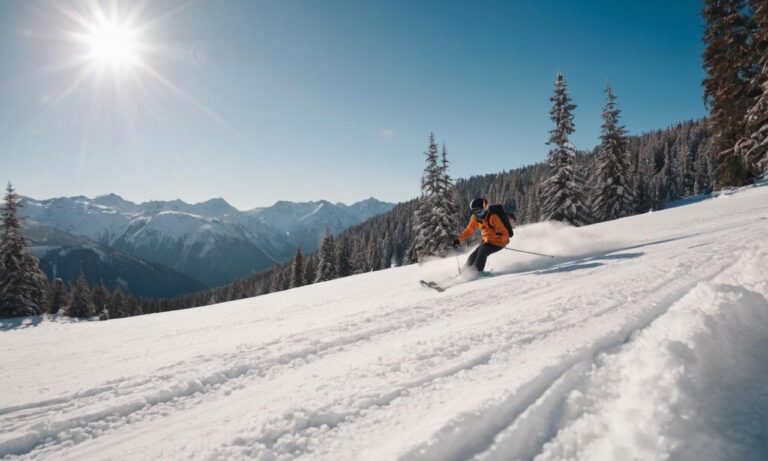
(491, 228)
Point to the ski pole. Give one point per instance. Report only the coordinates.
(529, 252)
(458, 264)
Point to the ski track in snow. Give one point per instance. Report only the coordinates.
(638, 346)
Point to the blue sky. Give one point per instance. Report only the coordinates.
(305, 100)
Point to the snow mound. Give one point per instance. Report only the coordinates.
(691, 386)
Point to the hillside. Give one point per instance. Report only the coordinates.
(65, 256)
(644, 339)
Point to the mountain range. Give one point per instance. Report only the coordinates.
(192, 245)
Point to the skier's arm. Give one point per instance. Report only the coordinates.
(471, 228)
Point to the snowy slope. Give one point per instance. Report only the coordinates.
(646, 340)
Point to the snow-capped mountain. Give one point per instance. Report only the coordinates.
(306, 222)
(208, 249)
(211, 241)
(80, 216)
(65, 256)
(643, 339)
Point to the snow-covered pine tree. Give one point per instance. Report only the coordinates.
(117, 304)
(424, 216)
(644, 185)
(326, 266)
(753, 146)
(343, 265)
(435, 216)
(532, 205)
(726, 60)
(100, 299)
(358, 253)
(57, 300)
(666, 185)
(388, 250)
(562, 193)
(449, 214)
(23, 285)
(612, 197)
(80, 304)
(133, 307)
(310, 269)
(411, 255)
(374, 255)
(297, 269)
(686, 176)
(702, 174)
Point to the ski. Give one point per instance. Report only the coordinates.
(432, 285)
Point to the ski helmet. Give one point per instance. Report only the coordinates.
(478, 204)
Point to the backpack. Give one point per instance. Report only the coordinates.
(499, 211)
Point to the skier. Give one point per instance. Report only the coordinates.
(495, 228)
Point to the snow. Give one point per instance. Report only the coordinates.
(644, 339)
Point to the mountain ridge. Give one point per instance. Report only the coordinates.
(210, 241)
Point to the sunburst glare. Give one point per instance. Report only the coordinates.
(113, 44)
(94, 42)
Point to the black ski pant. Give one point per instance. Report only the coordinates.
(478, 257)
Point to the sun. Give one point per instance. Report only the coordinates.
(113, 45)
(113, 50)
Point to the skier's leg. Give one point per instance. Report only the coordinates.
(472, 257)
(483, 251)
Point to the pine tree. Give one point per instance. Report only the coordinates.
(388, 251)
(686, 175)
(23, 285)
(644, 186)
(726, 60)
(58, 297)
(359, 256)
(297, 269)
(310, 269)
(412, 256)
(100, 300)
(435, 216)
(613, 197)
(424, 215)
(133, 307)
(116, 304)
(532, 211)
(276, 281)
(80, 304)
(446, 208)
(374, 255)
(326, 266)
(562, 193)
(343, 266)
(666, 185)
(753, 146)
(703, 172)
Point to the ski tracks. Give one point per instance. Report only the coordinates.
(45, 426)
(305, 431)
(566, 412)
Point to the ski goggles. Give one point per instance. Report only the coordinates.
(480, 213)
